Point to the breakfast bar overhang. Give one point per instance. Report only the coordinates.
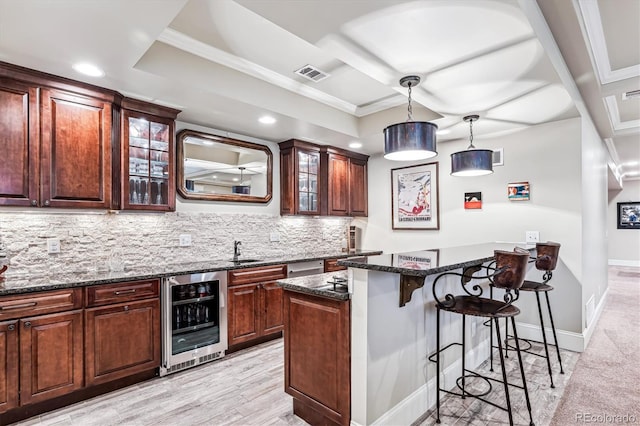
(393, 329)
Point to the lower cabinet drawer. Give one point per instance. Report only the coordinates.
(44, 302)
(107, 294)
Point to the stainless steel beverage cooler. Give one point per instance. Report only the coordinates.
(194, 320)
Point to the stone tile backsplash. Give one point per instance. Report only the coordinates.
(89, 241)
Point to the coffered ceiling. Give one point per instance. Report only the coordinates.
(227, 63)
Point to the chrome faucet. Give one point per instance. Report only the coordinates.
(236, 250)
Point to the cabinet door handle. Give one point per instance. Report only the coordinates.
(118, 293)
(24, 305)
(27, 324)
(46, 202)
(11, 327)
(34, 203)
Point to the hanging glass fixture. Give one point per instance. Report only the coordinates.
(472, 162)
(411, 140)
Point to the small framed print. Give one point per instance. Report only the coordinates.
(414, 197)
(518, 191)
(419, 260)
(629, 215)
(472, 200)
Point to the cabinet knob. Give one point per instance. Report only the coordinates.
(47, 203)
(126, 308)
(11, 327)
(34, 203)
(27, 324)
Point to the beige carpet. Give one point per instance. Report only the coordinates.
(604, 387)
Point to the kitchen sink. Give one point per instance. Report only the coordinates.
(245, 260)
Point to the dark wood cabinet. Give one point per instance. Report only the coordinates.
(19, 143)
(41, 347)
(331, 265)
(317, 333)
(148, 166)
(76, 158)
(322, 180)
(58, 135)
(8, 365)
(51, 361)
(254, 305)
(122, 330)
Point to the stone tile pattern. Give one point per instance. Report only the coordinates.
(89, 240)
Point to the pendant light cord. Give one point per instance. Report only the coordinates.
(409, 109)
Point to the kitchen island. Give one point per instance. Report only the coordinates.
(391, 316)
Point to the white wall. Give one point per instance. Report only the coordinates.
(624, 244)
(594, 220)
(549, 157)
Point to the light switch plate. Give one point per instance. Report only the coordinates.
(53, 245)
(185, 240)
(274, 236)
(532, 236)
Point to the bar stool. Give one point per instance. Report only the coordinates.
(545, 260)
(509, 273)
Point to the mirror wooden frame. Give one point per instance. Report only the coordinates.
(180, 181)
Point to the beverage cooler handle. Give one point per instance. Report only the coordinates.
(221, 300)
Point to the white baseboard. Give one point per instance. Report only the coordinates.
(618, 262)
(423, 399)
(566, 339)
(569, 340)
(588, 332)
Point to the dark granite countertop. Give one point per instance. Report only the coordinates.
(432, 261)
(318, 285)
(26, 283)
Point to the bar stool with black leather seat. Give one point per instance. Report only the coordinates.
(546, 260)
(509, 274)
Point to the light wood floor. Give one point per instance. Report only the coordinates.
(247, 388)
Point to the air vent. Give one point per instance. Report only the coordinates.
(312, 73)
(630, 94)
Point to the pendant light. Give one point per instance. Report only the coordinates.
(242, 188)
(472, 162)
(411, 140)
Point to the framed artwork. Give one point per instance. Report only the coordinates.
(629, 215)
(420, 260)
(472, 200)
(518, 191)
(414, 197)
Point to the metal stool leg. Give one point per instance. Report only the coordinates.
(464, 338)
(491, 333)
(524, 381)
(437, 365)
(544, 339)
(506, 337)
(504, 371)
(553, 328)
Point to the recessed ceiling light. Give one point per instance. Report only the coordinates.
(267, 119)
(355, 145)
(208, 143)
(215, 176)
(443, 132)
(88, 69)
(235, 179)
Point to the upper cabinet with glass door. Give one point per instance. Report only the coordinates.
(148, 164)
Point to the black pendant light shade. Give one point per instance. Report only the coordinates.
(472, 162)
(411, 140)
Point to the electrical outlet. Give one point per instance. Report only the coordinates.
(185, 240)
(53, 245)
(274, 236)
(532, 236)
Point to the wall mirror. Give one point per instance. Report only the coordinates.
(216, 168)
